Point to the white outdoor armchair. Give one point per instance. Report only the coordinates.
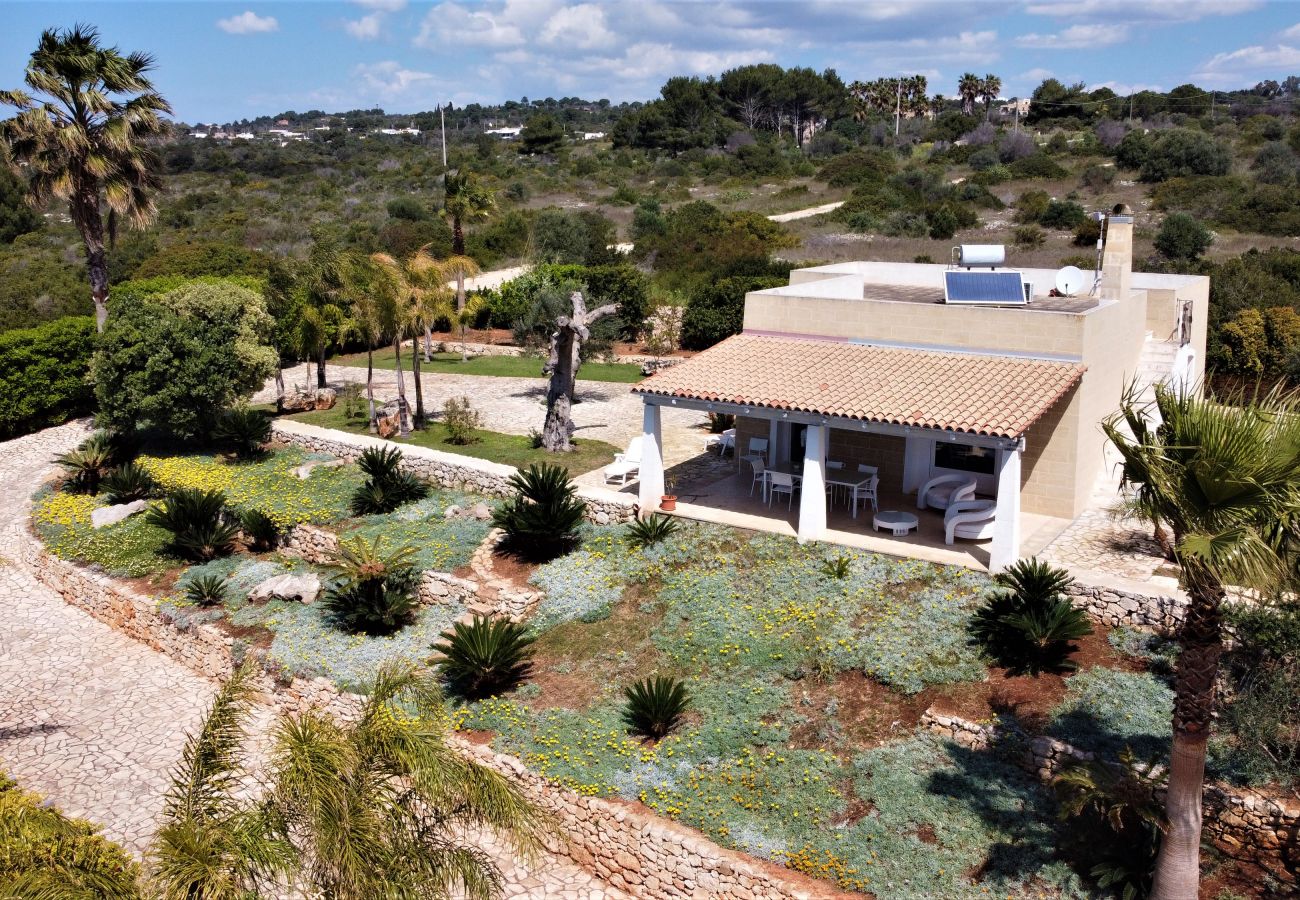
(942, 492)
(625, 464)
(972, 520)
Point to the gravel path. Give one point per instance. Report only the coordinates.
(95, 721)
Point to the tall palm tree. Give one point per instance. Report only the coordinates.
(413, 282)
(990, 87)
(321, 283)
(76, 143)
(968, 88)
(375, 807)
(458, 268)
(368, 312)
(1224, 478)
(466, 200)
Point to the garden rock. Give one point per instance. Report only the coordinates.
(389, 421)
(111, 515)
(304, 471)
(453, 512)
(326, 398)
(481, 512)
(304, 587)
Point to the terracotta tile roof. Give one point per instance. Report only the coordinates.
(998, 396)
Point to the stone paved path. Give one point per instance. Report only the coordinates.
(95, 721)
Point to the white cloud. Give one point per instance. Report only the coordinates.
(452, 24)
(1124, 88)
(365, 28)
(1076, 37)
(389, 80)
(1292, 33)
(248, 23)
(1142, 10)
(582, 26)
(1248, 65)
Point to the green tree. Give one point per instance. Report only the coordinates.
(1182, 237)
(43, 375)
(16, 216)
(717, 310)
(79, 144)
(1225, 479)
(542, 134)
(378, 806)
(1180, 152)
(467, 200)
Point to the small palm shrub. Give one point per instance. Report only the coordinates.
(485, 657)
(244, 430)
(837, 568)
(461, 420)
(1028, 626)
(88, 464)
(541, 520)
(197, 520)
(651, 530)
(376, 591)
(655, 706)
(206, 590)
(387, 486)
(129, 482)
(260, 529)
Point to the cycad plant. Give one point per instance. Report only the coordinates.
(129, 482)
(198, 522)
(88, 464)
(387, 485)
(261, 530)
(375, 593)
(1028, 625)
(206, 590)
(485, 657)
(541, 520)
(244, 430)
(655, 706)
(651, 530)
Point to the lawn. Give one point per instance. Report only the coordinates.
(511, 449)
(500, 366)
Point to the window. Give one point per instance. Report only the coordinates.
(964, 458)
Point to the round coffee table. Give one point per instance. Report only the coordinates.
(900, 523)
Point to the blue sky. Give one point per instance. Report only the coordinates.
(222, 61)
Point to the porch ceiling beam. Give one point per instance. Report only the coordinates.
(844, 424)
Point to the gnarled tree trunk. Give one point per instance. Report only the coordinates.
(420, 417)
(562, 368)
(84, 210)
(1201, 638)
(403, 409)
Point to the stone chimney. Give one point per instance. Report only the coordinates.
(1117, 254)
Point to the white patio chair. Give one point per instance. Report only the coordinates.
(781, 483)
(724, 442)
(942, 492)
(972, 520)
(866, 493)
(836, 466)
(625, 464)
(760, 477)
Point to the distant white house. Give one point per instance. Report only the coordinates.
(592, 135)
(245, 136)
(198, 134)
(506, 134)
(287, 135)
(411, 131)
(1012, 108)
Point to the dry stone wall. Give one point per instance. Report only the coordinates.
(1113, 607)
(1243, 823)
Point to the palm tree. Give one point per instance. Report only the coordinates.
(414, 282)
(467, 200)
(320, 329)
(968, 88)
(375, 807)
(1224, 478)
(369, 315)
(321, 283)
(990, 87)
(458, 268)
(76, 143)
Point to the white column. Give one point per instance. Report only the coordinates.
(1005, 548)
(812, 502)
(651, 478)
(773, 432)
(917, 453)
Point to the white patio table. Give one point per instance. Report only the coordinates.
(835, 477)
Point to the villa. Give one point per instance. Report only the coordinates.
(967, 397)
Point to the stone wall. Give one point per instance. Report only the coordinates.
(448, 470)
(1113, 607)
(1243, 823)
(310, 542)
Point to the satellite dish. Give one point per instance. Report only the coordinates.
(1069, 281)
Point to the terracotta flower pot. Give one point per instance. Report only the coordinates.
(668, 502)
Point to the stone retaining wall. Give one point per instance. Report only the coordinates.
(1243, 823)
(629, 847)
(1113, 607)
(448, 470)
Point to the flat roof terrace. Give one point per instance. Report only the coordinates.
(912, 293)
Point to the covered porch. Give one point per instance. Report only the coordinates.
(927, 446)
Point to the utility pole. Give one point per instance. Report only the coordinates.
(442, 117)
(1131, 99)
(898, 106)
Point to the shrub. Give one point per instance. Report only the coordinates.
(129, 482)
(1131, 153)
(943, 223)
(461, 420)
(377, 592)
(1098, 177)
(1029, 236)
(1040, 165)
(43, 375)
(1182, 237)
(837, 568)
(717, 310)
(1028, 626)
(720, 422)
(651, 530)
(206, 590)
(197, 522)
(861, 166)
(1180, 152)
(485, 657)
(1086, 234)
(1063, 214)
(1275, 164)
(1031, 205)
(655, 706)
(88, 464)
(260, 529)
(387, 486)
(244, 430)
(541, 520)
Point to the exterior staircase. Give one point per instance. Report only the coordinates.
(1154, 365)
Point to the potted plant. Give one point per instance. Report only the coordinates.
(668, 502)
